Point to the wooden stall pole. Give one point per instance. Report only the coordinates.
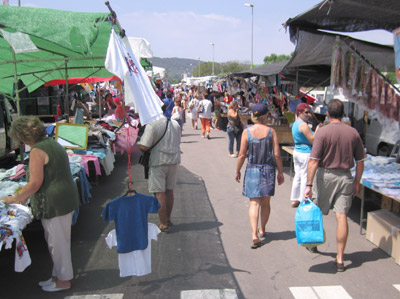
(66, 101)
(115, 20)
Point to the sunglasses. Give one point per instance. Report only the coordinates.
(307, 112)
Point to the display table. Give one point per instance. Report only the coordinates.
(289, 150)
(382, 176)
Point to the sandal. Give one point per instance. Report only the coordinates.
(256, 244)
(339, 266)
(262, 235)
(164, 229)
(312, 249)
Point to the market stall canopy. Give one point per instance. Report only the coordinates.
(349, 16)
(65, 44)
(313, 56)
(156, 72)
(78, 80)
(312, 59)
(267, 70)
(140, 47)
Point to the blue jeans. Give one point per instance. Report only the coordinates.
(232, 136)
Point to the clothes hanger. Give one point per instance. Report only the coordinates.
(130, 190)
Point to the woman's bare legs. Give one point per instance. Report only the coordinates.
(265, 212)
(254, 211)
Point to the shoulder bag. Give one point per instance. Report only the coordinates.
(201, 109)
(144, 158)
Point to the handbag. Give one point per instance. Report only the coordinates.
(201, 109)
(191, 105)
(237, 129)
(308, 224)
(144, 158)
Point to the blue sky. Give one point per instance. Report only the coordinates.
(185, 28)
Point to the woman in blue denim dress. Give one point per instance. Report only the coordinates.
(260, 143)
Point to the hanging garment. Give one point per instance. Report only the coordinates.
(137, 262)
(130, 216)
(22, 257)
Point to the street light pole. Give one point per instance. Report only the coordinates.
(252, 18)
(212, 44)
(199, 66)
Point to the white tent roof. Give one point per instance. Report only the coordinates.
(158, 72)
(140, 47)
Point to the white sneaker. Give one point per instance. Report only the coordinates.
(46, 282)
(232, 155)
(53, 288)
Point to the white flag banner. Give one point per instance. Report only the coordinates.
(138, 90)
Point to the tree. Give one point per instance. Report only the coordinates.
(276, 58)
(174, 80)
(220, 69)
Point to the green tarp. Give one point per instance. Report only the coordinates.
(74, 40)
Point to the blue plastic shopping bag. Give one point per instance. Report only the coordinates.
(308, 223)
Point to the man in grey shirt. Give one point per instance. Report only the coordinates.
(334, 150)
(164, 160)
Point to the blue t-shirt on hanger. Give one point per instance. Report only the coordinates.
(130, 216)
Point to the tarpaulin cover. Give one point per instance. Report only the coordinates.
(77, 80)
(267, 70)
(349, 16)
(312, 59)
(316, 48)
(80, 38)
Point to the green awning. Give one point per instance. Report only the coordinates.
(71, 44)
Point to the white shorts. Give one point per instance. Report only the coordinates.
(162, 178)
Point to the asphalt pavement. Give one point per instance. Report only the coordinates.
(207, 253)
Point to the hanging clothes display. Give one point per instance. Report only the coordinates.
(130, 216)
(13, 219)
(363, 83)
(137, 262)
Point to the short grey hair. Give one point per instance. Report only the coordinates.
(27, 129)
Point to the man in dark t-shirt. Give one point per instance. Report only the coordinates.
(334, 150)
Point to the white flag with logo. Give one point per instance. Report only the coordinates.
(138, 90)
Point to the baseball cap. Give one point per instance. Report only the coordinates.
(301, 107)
(259, 109)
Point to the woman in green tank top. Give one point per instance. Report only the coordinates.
(53, 196)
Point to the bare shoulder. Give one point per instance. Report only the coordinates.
(38, 155)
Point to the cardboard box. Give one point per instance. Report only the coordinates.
(284, 134)
(395, 206)
(383, 230)
(396, 254)
(386, 203)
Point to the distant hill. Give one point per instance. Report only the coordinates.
(175, 67)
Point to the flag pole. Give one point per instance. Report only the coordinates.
(115, 20)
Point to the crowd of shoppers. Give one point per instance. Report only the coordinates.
(322, 162)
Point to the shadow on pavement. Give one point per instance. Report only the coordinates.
(351, 261)
(280, 236)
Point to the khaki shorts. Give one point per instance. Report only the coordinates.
(333, 189)
(162, 178)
